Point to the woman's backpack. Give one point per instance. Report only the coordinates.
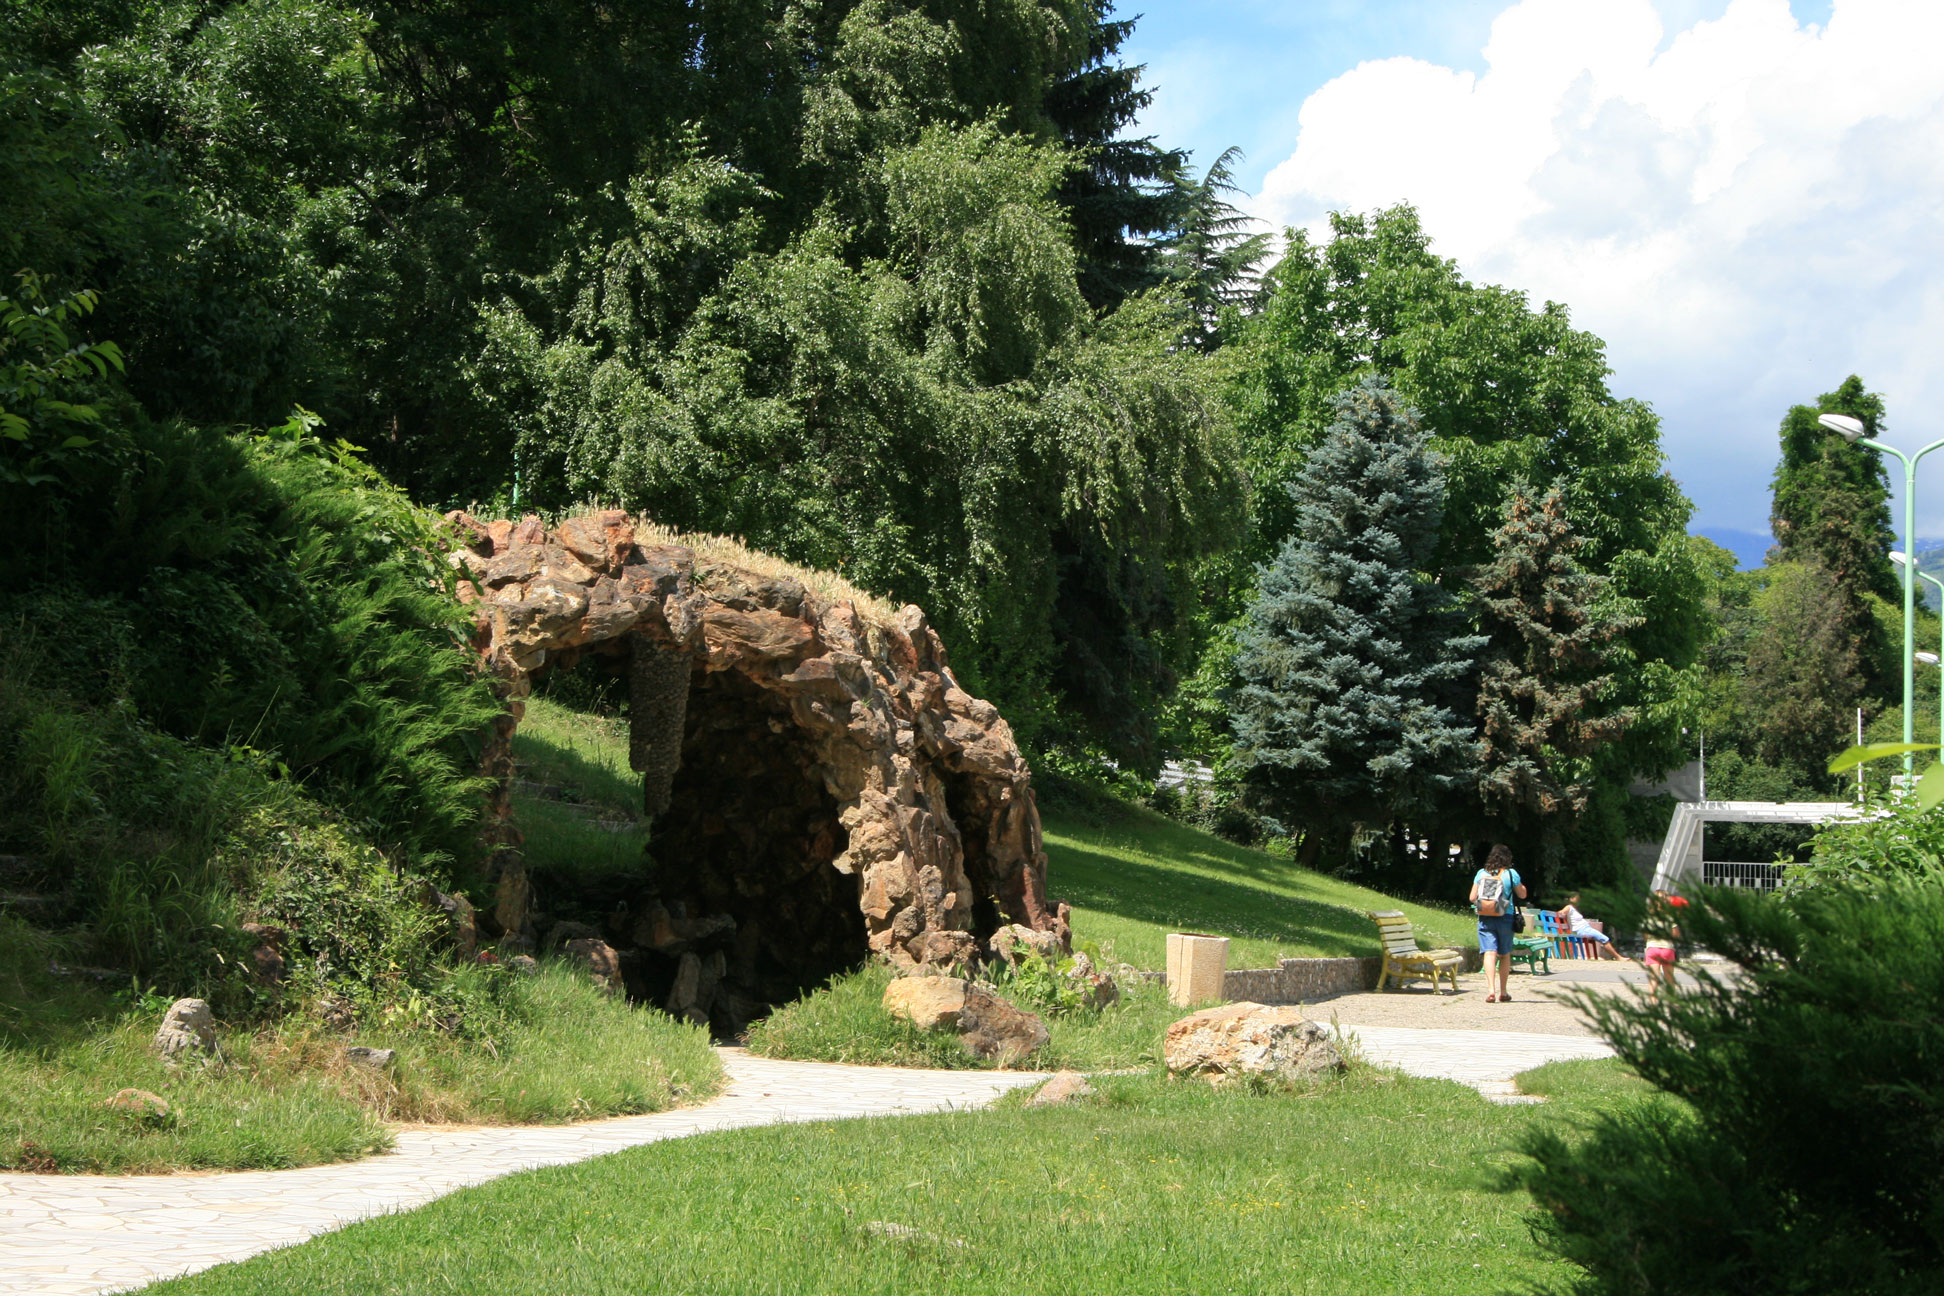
(1494, 889)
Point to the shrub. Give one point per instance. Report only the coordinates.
(270, 592)
(1810, 1154)
(1901, 841)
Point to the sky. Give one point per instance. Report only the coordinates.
(1744, 198)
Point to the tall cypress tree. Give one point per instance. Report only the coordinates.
(1546, 673)
(1832, 510)
(1351, 647)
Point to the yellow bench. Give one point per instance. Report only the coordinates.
(1404, 960)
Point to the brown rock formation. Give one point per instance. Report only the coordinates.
(822, 786)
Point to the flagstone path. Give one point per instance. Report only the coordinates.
(76, 1235)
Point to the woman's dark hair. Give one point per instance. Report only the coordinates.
(1500, 858)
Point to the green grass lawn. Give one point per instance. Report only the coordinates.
(1133, 876)
(1374, 1183)
(845, 1021)
(572, 841)
(288, 1097)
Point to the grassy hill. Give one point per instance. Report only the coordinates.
(1133, 876)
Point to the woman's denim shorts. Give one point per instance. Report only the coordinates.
(1495, 934)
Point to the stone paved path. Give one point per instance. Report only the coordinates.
(70, 1235)
(74, 1235)
(1484, 1059)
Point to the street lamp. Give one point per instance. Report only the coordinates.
(1929, 658)
(1852, 431)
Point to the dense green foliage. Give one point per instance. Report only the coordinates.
(1352, 658)
(1511, 396)
(863, 282)
(1809, 1156)
(1810, 639)
(1832, 509)
(269, 593)
(1546, 678)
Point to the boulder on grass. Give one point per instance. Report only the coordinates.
(1062, 1088)
(927, 1002)
(187, 1027)
(1243, 1041)
(1015, 939)
(987, 1025)
(598, 959)
(993, 1029)
(139, 1103)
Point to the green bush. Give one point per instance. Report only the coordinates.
(1809, 1153)
(269, 592)
(1900, 841)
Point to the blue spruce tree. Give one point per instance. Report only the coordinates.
(1353, 653)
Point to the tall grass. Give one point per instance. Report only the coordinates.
(285, 1094)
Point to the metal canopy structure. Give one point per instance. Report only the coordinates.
(1680, 857)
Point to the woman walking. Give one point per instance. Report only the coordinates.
(1495, 893)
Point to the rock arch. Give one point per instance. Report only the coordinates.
(821, 785)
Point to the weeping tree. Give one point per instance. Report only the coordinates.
(1347, 665)
(1545, 688)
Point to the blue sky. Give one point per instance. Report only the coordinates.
(1741, 197)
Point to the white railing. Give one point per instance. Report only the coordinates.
(1181, 774)
(1734, 873)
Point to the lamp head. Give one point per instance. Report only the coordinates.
(1929, 658)
(1850, 429)
(1896, 556)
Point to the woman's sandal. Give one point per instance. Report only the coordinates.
(1491, 998)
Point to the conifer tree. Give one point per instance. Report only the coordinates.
(1547, 670)
(1213, 256)
(1832, 510)
(1351, 647)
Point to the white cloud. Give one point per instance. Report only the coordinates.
(1746, 213)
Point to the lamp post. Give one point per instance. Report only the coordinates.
(1852, 431)
(1929, 658)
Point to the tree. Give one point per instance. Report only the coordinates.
(1804, 676)
(1350, 650)
(1803, 1153)
(1545, 689)
(1211, 255)
(1832, 509)
(1121, 192)
(1512, 393)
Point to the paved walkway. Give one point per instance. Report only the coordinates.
(1484, 1059)
(70, 1235)
(76, 1235)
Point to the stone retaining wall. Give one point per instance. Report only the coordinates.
(1305, 980)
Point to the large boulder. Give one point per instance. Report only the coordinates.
(988, 1026)
(187, 1028)
(1245, 1041)
(927, 1002)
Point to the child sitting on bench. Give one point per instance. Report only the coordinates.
(1579, 925)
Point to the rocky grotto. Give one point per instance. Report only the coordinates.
(821, 789)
